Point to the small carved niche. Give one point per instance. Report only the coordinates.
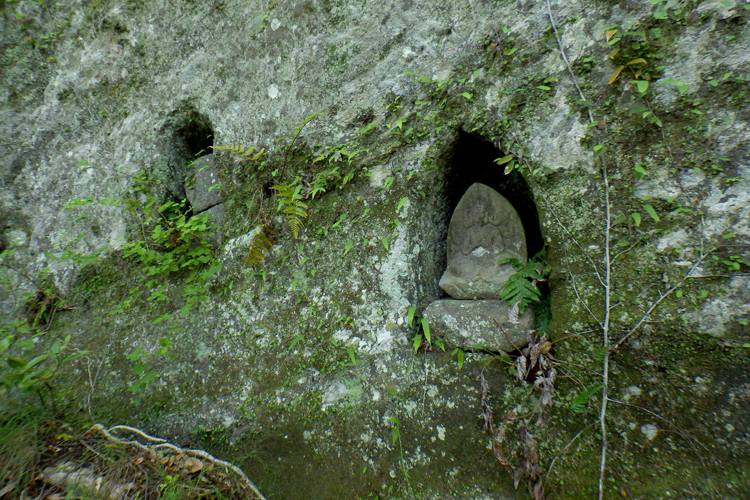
(471, 161)
(491, 216)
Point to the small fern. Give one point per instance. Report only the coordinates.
(290, 204)
(297, 130)
(260, 244)
(245, 153)
(578, 403)
(519, 289)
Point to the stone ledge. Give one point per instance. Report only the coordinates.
(465, 323)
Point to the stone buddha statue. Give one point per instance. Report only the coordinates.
(484, 229)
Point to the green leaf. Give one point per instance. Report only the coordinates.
(410, 316)
(295, 341)
(440, 344)
(466, 95)
(162, 318)
(578, 402)
(395, 435)
(16, 363)
(728, 236)
(426, 330)
(417, 342)
(348, 247)
(459, 357)
(661, 14)
(650, 210)
(401, 203)
(638, 168)
(504, 159)
(543, 87)
(385, 243)
(642, 85)
(637, 218)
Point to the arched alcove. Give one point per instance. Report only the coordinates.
(186, 135)
(194, 132)
(484, 231)
(473, 160)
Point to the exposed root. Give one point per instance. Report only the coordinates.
(159, 444)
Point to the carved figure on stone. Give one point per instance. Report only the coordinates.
(484, 229)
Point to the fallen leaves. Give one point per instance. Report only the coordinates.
(183, 464)
(537, 365)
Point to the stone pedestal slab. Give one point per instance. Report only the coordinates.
(201, 178)
(465, 323)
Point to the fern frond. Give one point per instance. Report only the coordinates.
(519, 290)
(577, 404)
(290, 204)
(246, 153)
(258, 245)
(295, 224)
(298, 129)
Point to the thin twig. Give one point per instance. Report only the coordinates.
(578, 296)
(617, 255)
(506, 335)
(572, 335)
(565, 448)
(548, 207)
(660, 299)
(607, 269)
(679, 431)
(575, 241)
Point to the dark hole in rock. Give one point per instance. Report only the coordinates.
(196, 133)
(472, 160)
(187, 134)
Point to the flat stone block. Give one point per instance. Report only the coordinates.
(465, 323)
(201, 179)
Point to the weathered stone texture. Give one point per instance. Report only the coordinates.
(484, 229)
(472, 323)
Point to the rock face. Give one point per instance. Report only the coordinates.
(130, 88)
(468, 323)
(484, 229)
(203, 191)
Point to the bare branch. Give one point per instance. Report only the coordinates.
(661, 298)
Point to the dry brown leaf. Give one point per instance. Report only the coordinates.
(640, 60)
(614, 75)
(610, 34)
(7, 488)
(192, 465)
(513, 313)
(138, 461)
